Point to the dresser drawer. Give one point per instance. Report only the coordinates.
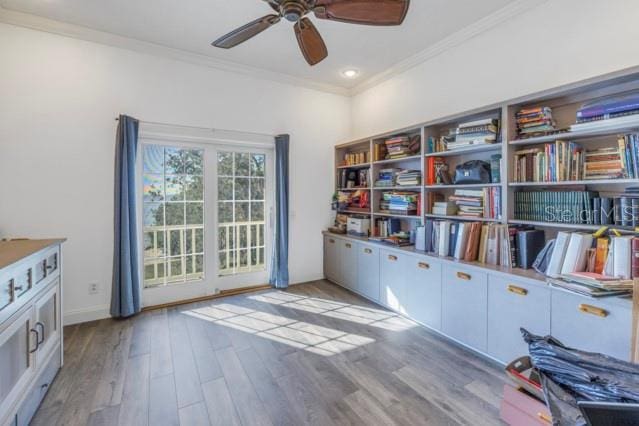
(593, 325)
(423, 301)
(393, 270)
(39, 389)
(513, 304)
(465, 305)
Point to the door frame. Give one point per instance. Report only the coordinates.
(204, 139)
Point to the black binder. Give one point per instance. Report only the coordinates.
(529, 244)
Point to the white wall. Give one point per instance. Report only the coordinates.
(58, 100)
(555, 43)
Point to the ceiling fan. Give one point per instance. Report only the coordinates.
(367, 12)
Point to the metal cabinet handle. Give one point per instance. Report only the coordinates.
(593, 310)
(392, 257)
(348, 245)
(33, 330)
(517, 290)
(41, 341)
(423, 265)
(332, 241)
(18, 288)
(544, 418)
(368, 251)
(464, 276)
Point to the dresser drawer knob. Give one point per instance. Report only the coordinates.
(348, 245)
(423, 265)
(593, 310)
(332, 241)
(517, 290)
(464, 276)
(368, 251)
(392, 257)
(544, 418)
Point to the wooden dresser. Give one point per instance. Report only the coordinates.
(30, 325)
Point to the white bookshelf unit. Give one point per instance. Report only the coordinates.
(541, 308)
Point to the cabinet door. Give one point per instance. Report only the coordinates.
(592, 325)
(348, 263)
(423, 293)
(16, 358)
(47, 311)
(392, 279)
(368, 271)
(465, 305)
(331, 259)
(512, 305)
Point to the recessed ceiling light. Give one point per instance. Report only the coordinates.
(350, 73)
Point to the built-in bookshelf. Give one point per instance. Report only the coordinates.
(564, 103)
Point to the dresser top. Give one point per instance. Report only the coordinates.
(14, 250)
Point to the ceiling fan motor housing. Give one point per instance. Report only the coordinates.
(294, 10)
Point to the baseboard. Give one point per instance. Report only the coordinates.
(91, 313)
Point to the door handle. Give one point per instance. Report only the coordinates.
(423, 265)
(348, 245)
(33, 330)
(392, 258)
(593, 310)
(464, 276)
(544, 418)
(39, 324)
(517, 290)
(368, 251)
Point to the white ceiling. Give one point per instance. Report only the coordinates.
(191, 25)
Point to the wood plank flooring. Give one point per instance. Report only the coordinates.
(315, 354)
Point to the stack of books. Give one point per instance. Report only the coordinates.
(356, 201)
(400, 203)
(552, 162)
(596, 266)
(484, 203)
(408, 178)
(431, 198)
(534, 121)
(609, 112)
(388, 231)
(399, 147)
(479, 132)
(386, 178)
(444, 208)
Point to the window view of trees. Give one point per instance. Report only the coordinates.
(241, 212)
(173, 204)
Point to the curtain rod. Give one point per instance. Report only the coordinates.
(213, 129)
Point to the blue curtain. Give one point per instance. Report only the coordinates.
(125, 296)
(279, 265)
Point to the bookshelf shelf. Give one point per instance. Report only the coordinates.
(580, 134)
(398, 160)
(355, 166)
(574, 226)
(366, 212)
(474, 185)
(354, 189)
(478, 148)
(576, 182)
(404, 216)
(465, 218)
(397, 188)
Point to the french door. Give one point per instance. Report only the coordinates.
(205, 215)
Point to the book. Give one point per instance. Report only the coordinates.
(444, 237)
(529, 243)
(622, 260)
(601, 253)
(461, 239)
(575, 259)
(634, 267)
(558, 254)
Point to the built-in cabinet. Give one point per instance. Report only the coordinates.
(480, 308)
(30, 326)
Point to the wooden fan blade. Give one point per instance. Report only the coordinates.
(310, 41)
(367, 12)
(245, 32)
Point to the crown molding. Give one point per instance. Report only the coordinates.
(486, 23)
(21, 19)
(87, 34)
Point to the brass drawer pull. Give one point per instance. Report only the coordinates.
(392, 257)
(517, 290)
(593, 310)
(348, 245)
(368, 251)
(464, 276)
(544, 418)
(332, 241)
(423, 265)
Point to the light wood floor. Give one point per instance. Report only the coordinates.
(315, 354)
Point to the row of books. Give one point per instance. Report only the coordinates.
(390, 177)
(400, 203)
(534, 121)
(389, 231)
(355, 200)
(593, 265)
(465, 135)
(493, 244)
(353, 178)
(479, 203)
(602, 113)
(355, 158)
(397, 147)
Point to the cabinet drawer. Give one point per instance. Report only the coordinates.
(393, 266)
(592, 325)
(465, 305)
(511, 305)
(368, 271)
(38, 391)
(423, 291)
